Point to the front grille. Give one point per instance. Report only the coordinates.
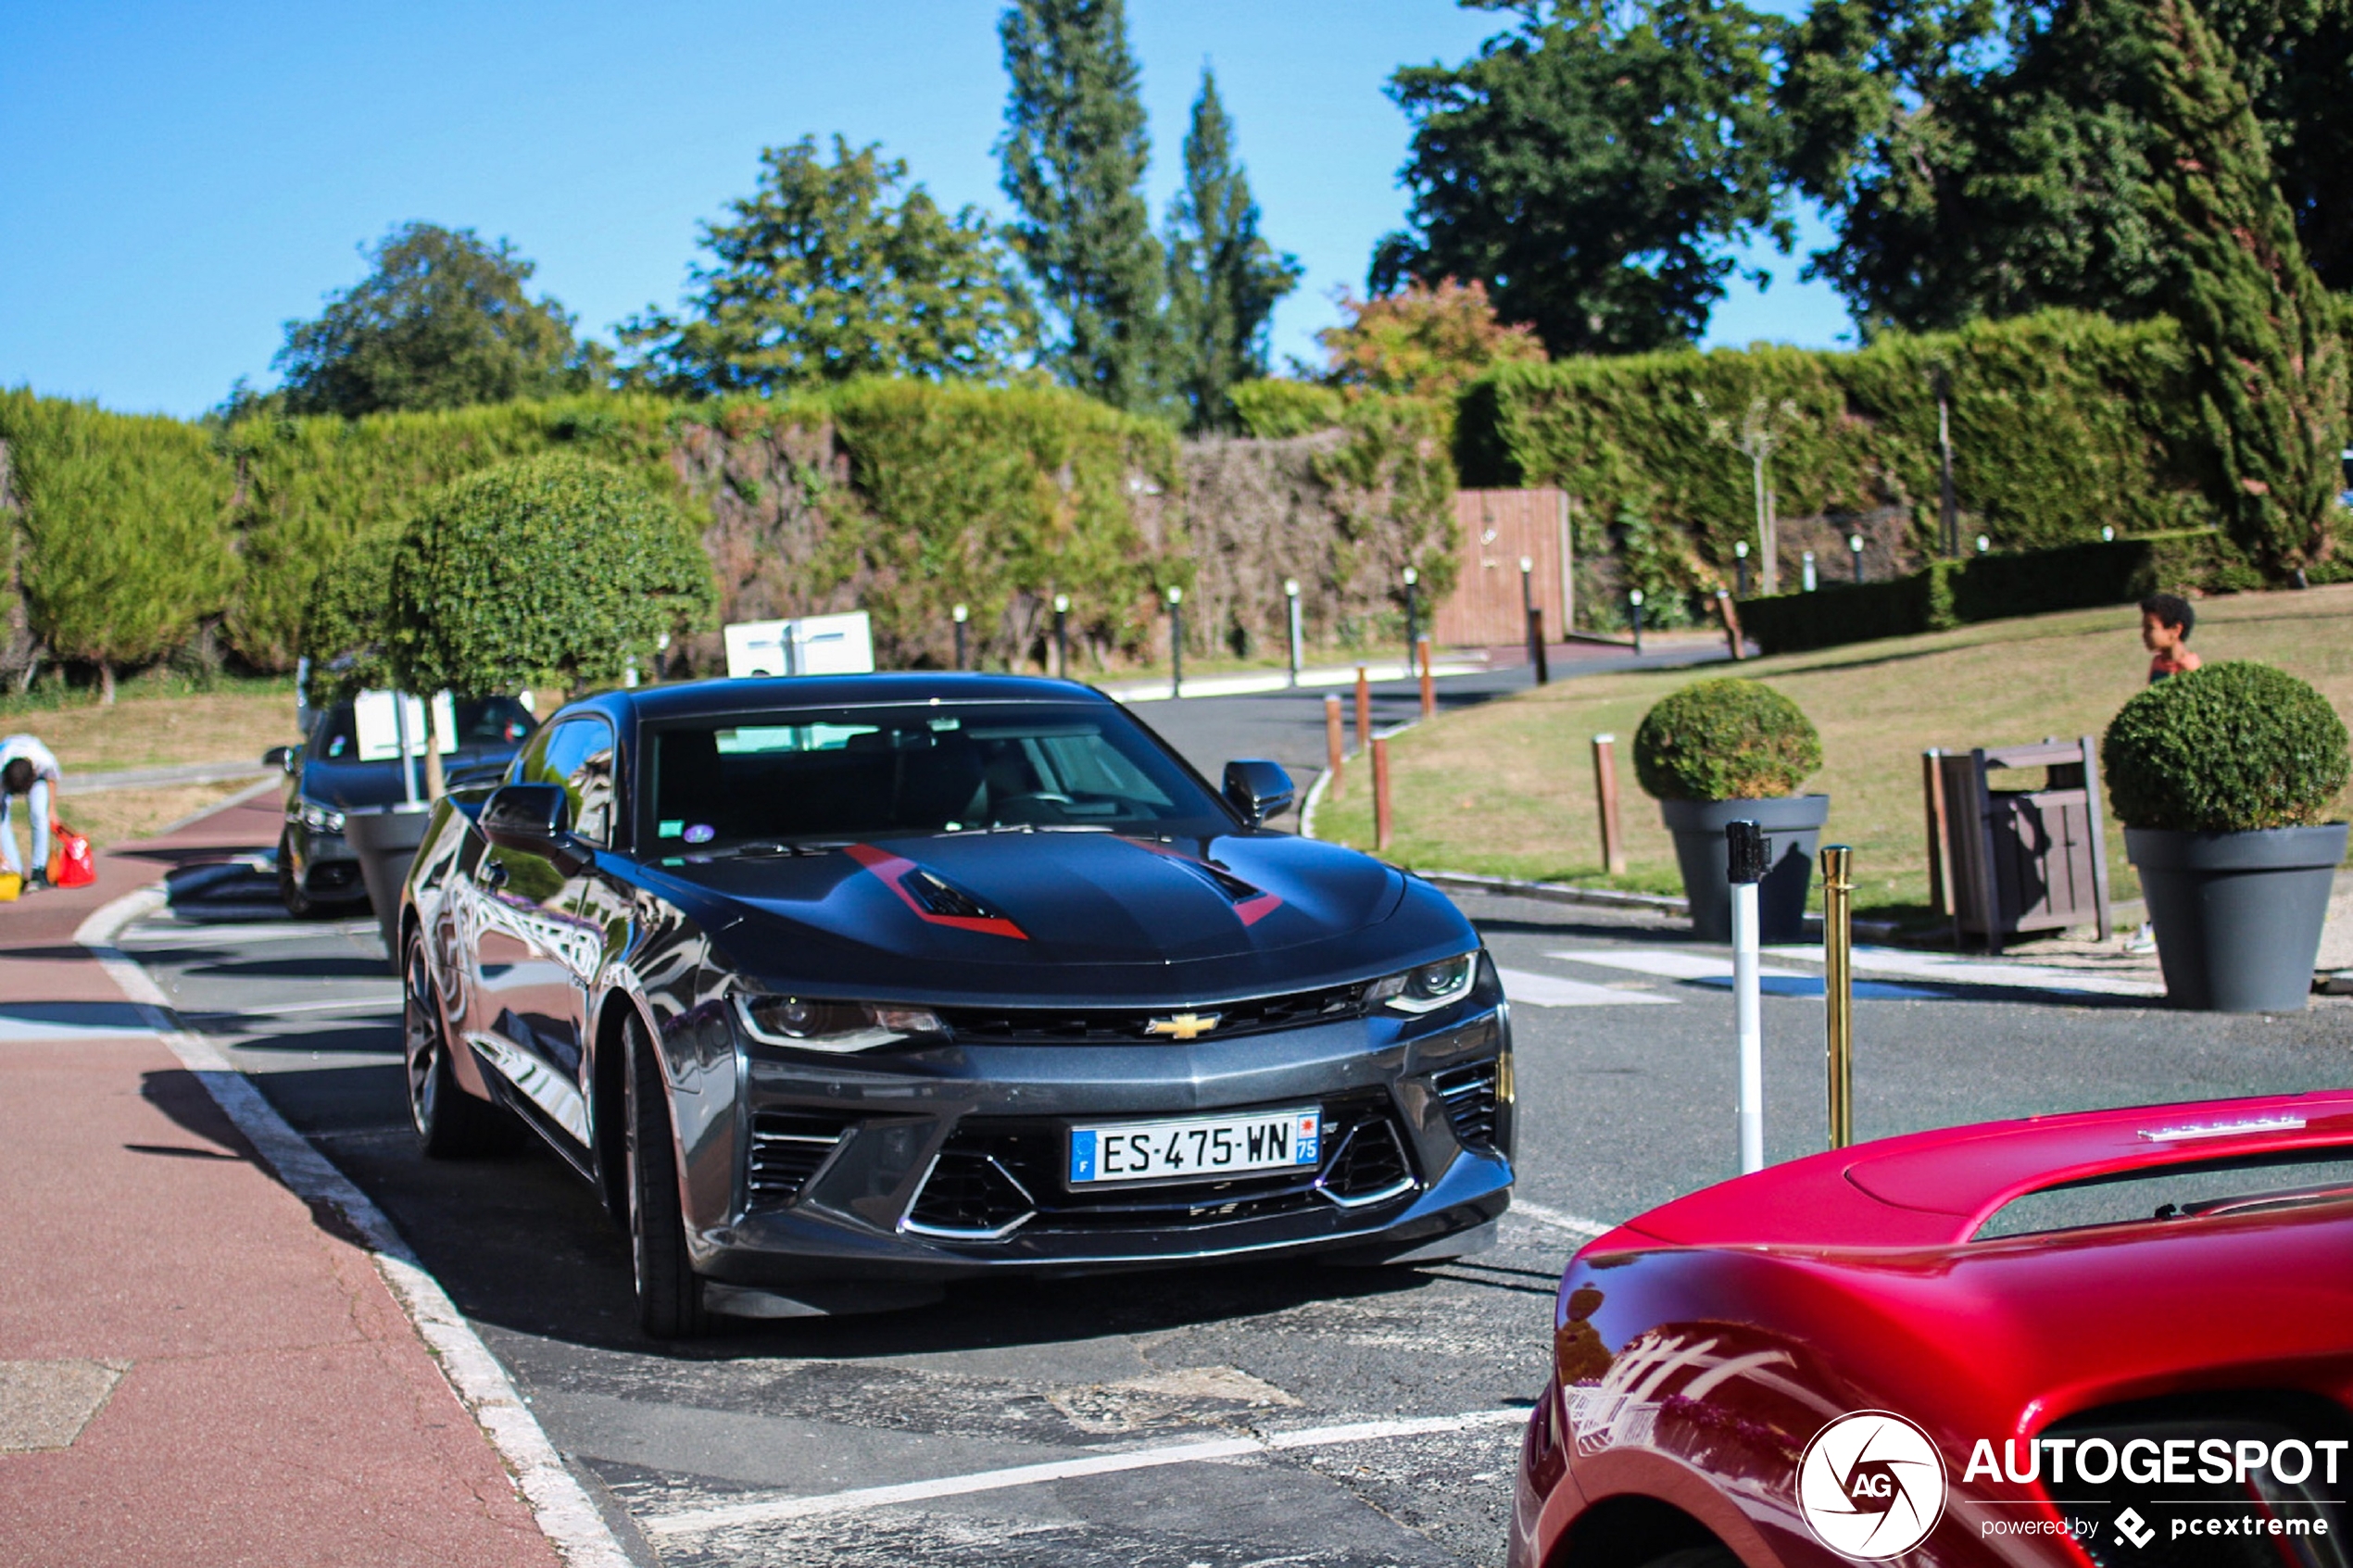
(1107, 1025)
(786, 1148)
(998, 1174)
(1469, 1094)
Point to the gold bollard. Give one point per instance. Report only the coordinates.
(1605, 799)
(1333, 743)
(1381, 818)
(1429, 692)
(1838, 987)
(1364, 709)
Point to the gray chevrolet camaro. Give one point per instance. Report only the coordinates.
(840, 989)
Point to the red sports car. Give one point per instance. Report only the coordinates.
(2116, 1337)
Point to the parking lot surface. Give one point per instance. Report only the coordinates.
(1253, 1415)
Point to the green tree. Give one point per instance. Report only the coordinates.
(1423, 342)
(1987, 161)
(1073, 157)
(125, 519)
(442, 322)
(548, 571)
(1224, 279)
(835, 270)
(2268, 359)
(1592, 166)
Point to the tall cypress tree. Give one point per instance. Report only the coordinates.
(1072, 155)
(2268, 362)
(1223, 277)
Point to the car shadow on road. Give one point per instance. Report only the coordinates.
(521, 1242)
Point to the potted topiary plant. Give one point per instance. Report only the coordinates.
(1730, 750)
(2222, 778)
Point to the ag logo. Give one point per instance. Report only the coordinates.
(1872, 1486)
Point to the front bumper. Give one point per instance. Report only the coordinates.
(947, 1163)
(323, 865)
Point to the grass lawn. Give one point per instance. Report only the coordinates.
(1507, 788)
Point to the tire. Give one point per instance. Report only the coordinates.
(300, 905)
(450, 1123)
(669, 1291)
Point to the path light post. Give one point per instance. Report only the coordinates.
(2107, 535)
(962, 614)
(1635, 603)
(1062, 636)
(1745, 863)
(1855, 543)
(1806, 570)
(1983, 545)
(1290, 592)
(1533, 619)
(1412, 613)
(1739, 566)
(1176, 641)
(1838, 987)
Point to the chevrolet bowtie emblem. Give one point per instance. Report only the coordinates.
(1184, 1026)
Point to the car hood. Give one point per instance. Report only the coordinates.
(349, 786)
(932, 915)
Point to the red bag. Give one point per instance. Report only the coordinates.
(70, 864)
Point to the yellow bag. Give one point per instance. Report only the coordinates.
(10, 885)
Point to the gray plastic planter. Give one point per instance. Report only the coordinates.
(385, 842)
(2238, 915)
(1793, 827)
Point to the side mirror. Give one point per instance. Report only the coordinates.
(1258, 789)
(532, 818)
(279, 757)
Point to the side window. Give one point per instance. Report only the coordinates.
(578, 753)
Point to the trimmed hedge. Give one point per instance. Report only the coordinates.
(2231, 748)
(1992, 587)
(1725, 739)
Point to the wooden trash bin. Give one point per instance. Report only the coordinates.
(2001, 862)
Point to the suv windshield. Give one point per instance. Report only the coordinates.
(850, 773)
(481, 723)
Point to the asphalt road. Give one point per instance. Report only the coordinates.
(1352, 1417)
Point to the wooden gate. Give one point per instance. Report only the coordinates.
(1501, 528)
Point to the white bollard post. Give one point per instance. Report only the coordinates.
(1745, 863)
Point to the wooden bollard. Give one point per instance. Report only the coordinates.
(1605, 794)
(1364, 709)
(1332, 745)
(1380, 795)
(1429, 688)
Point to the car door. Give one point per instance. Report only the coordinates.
(534, 955)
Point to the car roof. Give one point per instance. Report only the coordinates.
(691, 699)
(1937, 1188)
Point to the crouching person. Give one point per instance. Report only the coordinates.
(28, 772)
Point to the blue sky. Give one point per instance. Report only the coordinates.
(181, 179)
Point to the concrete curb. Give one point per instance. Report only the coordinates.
(559, 1503)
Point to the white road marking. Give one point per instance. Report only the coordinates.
(1952, 970)
(558, 1502)
(1667, 963)
(1551, 990)
(388, 1002)
(20, 1031)
(1576, 1224)
(780, 1510)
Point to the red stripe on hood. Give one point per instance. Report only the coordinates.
(891, 870)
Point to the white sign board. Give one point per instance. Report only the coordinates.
(814, 645)
(379, 727)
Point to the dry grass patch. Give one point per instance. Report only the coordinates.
(1507, 788)
(159, 730)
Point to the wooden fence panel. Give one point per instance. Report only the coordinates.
(1498, 528)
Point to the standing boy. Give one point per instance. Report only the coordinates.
(29, 769)
(2166, 620)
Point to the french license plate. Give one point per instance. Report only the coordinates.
(1134, 1151)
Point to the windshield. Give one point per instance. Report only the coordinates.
(2183, 1192)
(853, 773)
(468, 723)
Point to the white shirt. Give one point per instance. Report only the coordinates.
(44, 762)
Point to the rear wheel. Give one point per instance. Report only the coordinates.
(450, 1123)
(669, 1291)
(300, 905)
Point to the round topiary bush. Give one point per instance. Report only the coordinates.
(2229, 748)
(545, 570)
(1725, 739)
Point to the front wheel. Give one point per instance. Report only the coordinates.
(669, 1291)
(450, 1123)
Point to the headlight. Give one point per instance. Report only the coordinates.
(1427, 988)
(321, 818)
(830, 1026)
